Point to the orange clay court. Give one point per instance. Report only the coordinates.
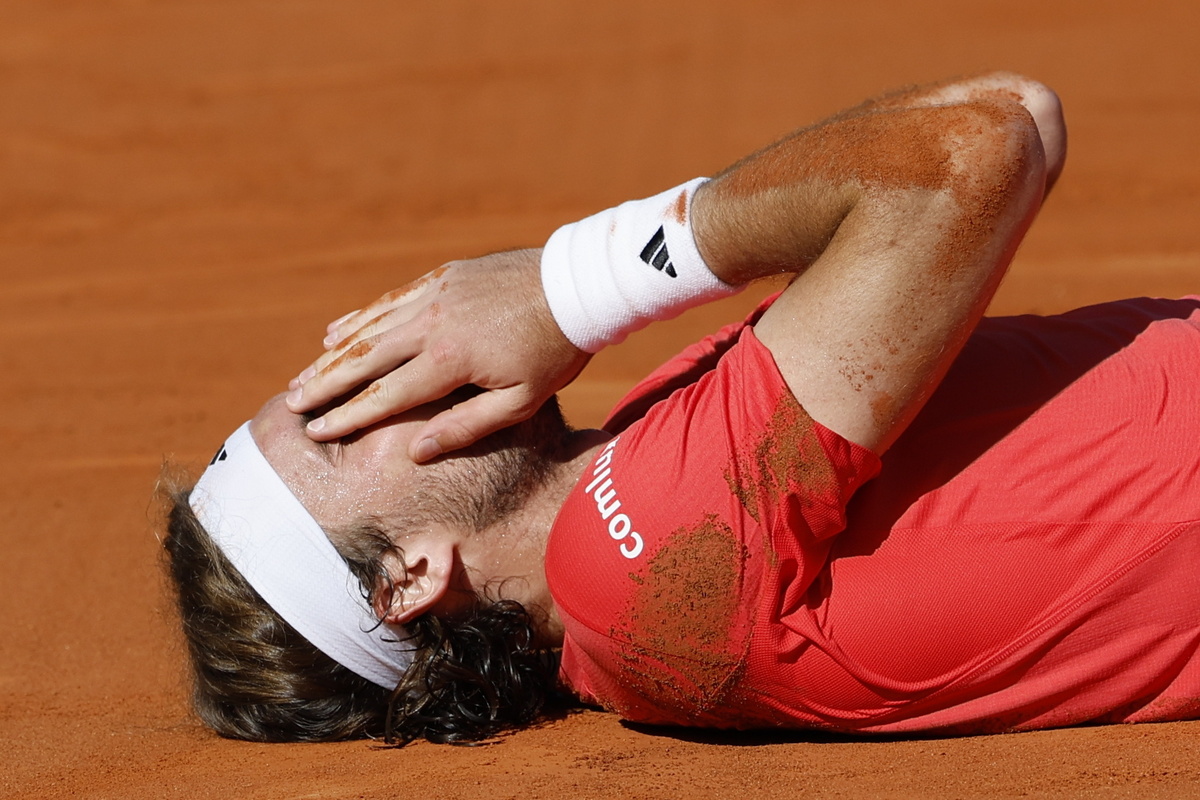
(191, 190)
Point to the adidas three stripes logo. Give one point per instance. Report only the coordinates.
(655, 253)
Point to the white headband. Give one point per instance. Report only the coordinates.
(282, 552)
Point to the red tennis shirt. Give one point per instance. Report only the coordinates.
(1026, 555)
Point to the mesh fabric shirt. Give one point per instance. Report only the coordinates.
(1024, 557)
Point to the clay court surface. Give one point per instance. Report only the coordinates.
(190, 190)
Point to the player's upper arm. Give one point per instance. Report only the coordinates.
(899, 225)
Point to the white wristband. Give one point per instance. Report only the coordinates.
(614, 272)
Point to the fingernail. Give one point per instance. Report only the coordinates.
(294, 384)
(294, 396)
(427, 449)
(330, 340)
(337, 323)
(317, 425)
(306, 376)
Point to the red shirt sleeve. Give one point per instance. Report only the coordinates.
(684, 369)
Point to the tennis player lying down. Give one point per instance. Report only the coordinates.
(861, 509)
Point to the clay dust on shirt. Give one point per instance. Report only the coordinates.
(787, 458)
(683, 615)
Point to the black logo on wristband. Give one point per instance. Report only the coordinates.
(655, 253)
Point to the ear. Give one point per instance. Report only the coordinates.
(417, 581)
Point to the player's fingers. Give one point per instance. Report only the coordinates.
(369, 327)
(337, 323)
(471, 420)
(386, 338)
(348, 325)
(356, 325)
(340, 329)
(343, 328)
(335, 373)
(416, 383)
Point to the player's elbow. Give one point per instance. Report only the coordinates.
(1045, 107)
(996, 157)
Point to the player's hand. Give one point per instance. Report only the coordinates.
(482, 322)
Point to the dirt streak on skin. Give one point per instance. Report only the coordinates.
(412, 286)
(354, 352)
(902, 97)
(364, 394)
(359, 350)
(877, 152)
(883, 407)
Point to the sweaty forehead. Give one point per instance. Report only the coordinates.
(300, 462)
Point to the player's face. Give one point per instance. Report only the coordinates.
(338, 482)
(368, 476)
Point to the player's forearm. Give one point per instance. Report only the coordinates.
(776, 210)
(900, 225)
(1039, 100)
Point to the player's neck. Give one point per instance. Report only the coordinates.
(519, 541)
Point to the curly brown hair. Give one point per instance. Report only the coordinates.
(256, 678)
(474, 676)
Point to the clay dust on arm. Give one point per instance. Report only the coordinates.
(899, 224)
